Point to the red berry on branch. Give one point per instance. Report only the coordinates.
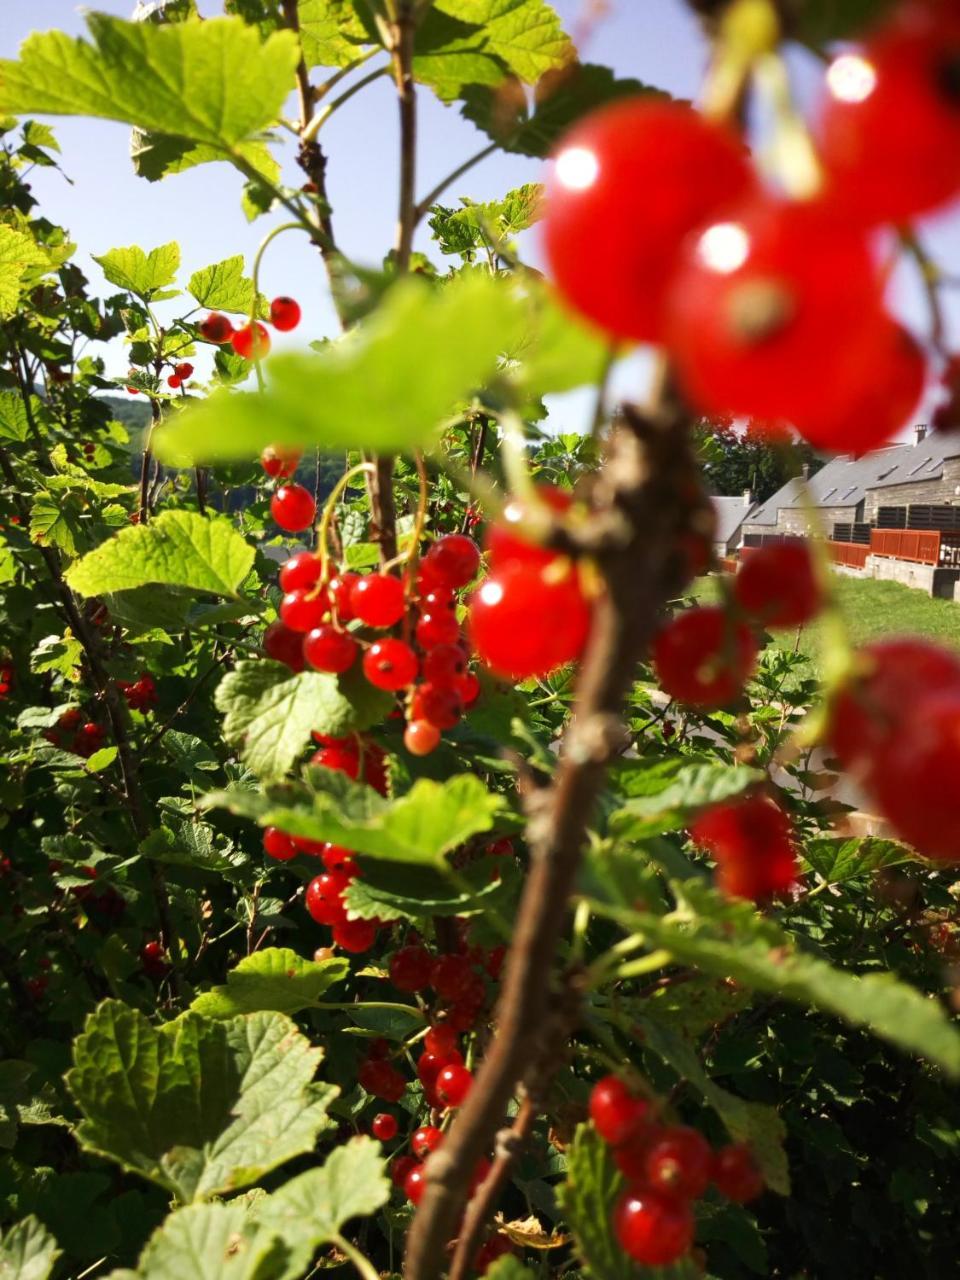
(339, 590)
(216, 328)
(611, 248)
(703, 657)
(277, 844)
(450, 976)
(284, 314)
(451, 562)
(415, 1184)
(324, 897)
(344, 759)
(735, 1173)
(251, 342)
(284, 645)
(377, 599)
(453, 1085)
(280, 463)
(445, 664)
(173, 382)
(468, 687)
(328, 649)
(355, 935)
(399, 1168)
(424, 1140)
(410, 968)
(336, 857)
(504, 541)
(752, 842)
(653, 1228)
(300, 573)
(679, 1163)
(420, 737)
(435, 629)
(293, 508)
(382, 1080)
(303, 609)
(525, 622)
(617, 1113)
(184, 371)
(439, 705)
(384, 1127)
(441, 1039)
(313, 848)
(390, 664)
(777, 585)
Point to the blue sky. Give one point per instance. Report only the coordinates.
(106, 205)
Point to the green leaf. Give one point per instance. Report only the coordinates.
(158, 155)
(208, 1242)
(820, 22)
(55, 522)
(191, 846)
(587, 1198)
(461, 230)
(332, 32)
(839, 859)
(18, 253)
(561, 99)
(683, 793)
(372, 389)
(558, 350)
(270, 712)
(178, 548)
(385, 891)
(200, 1107)
(449, 54)
(27, 1251)
(214, 82)
(730, 940)
(525, 34)
(509, 1268)
(273, 979)
(419, 827)
(223, 287)
(138, 272)
(14, 424)
(313, 1208)
(57, 653)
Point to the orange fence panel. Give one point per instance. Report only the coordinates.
(919, 546)
(852, 554)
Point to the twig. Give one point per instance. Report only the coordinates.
(650, 482)
(429, 200)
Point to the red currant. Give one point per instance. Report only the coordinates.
(324, 897)
(468, 687)
(451, 562)
(382, 1080)
(679, 1163)
(377, 599)
(438, 705)
(445, 664)
(355, 935)
(284, 314)
(184, 371)
(277, 844)
(617, 1114)
(777, 585)
(611, 248)
(216, 328)
(173, 382)
(653, 1228)
(339, 591)
(764, 298)
(435, 629)
(284, 645)
(450, 976)
(279, 462)
(335, 858)
(400, 1167)
(390, 665)
(453, 1085)
(441, 1039)
(384, 1127)
(410, 968)
(313, 848)
(303, 609)
(415, 1184)
(735, 1173)
(424, 1140)
(300, 573)
(293, 508)
(752, 841)
(327, 649)
(252, 341)
(703, 658)
(429, 1066)
(345, 759)
(524, 622)
(504, 542)
(420, 737)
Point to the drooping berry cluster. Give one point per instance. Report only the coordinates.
(667, 1168)
(251, 340)
(141, 694)
(752, 841)
(73, 733)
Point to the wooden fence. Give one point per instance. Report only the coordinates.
(852, 554)
(917, 546)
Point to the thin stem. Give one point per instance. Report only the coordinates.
(268, 239)
(410, 554)
(323, 533)
(430, 199)
(322, 116)
(362, 1264)
(403, 31)
(321, 90)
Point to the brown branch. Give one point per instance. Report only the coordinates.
(145, 460)
(401, 54)
(650, 482)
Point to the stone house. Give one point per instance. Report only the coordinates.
(730, 514)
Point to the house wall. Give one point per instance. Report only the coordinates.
(793, 520)
(924, 491)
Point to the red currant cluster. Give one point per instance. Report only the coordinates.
(153, 960)
(6, 679)
(141, 695)
(667, 1167)
(749, 290)
(896, 727)
(250, 340)
(752, 842)
(72, 733)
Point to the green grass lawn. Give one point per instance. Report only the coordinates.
(872, 609)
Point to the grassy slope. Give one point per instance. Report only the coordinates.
(872, 609)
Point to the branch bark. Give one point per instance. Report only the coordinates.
(650, 483)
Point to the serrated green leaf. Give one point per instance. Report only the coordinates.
(178, 548)
(273, 979)
(684, 793)
(56, 522)
(525, 34)
(730, 940)
(207, 1242)
(192, 845)
(587, 1198)
(139, 272)
(214, 82)
(14, 424)
(270, 712)
(223, 287)
(419, 827)
(18, 254)
(839, 859)
(332, 32)
(57, 653)
(372, 389)
(313, 1208)
(27, 1251)
(449, 54)
(199, 1107)
(158, 155)
(385, 891)
(462, 230)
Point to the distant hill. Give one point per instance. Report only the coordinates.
(132, 413)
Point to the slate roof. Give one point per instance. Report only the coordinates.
(730, 513)
(844, 481)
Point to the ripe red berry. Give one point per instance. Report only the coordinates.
(420, 737)
(355, 935)
(336, 857)
(277, 844)
(382, 1080)
(415, 1183)
(342, 759)
(339, 590)
(252, 341)
(384, 1127)
(610, 247)
(453, 1085)
(399, 1168)
(703, 657)
(313, 848)
(502, 848)
(777, 585)
(451, 562)
(616, 1112)
(324, 897)
(184, 371)
(434, 629)
(468, 687)
(497, 1246)
(652, 1228)
(303, 609)
(445, 664)
(763, 298)
(284, 645)
(450, 976)
(279, 462)
(377, 599)
(889, 134)
(679, 1163)
(424, 1140)
(441, 1039)
(173, 382)
(439, 705)
(429, 1066)
(216, 328)
(300, 573)
(328, 649)
(284, 314)
(293, 508)
(435, 599)
(390, 664)
(504, 542)
(735, 1173)
(752, 841)
(525, 622)
(410, 968)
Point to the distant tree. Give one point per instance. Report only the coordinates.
(751, 457)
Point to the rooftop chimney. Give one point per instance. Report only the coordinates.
(805, 471)
(920, 431)
(748, 498)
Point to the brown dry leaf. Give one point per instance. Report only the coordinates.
(529, 1233)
